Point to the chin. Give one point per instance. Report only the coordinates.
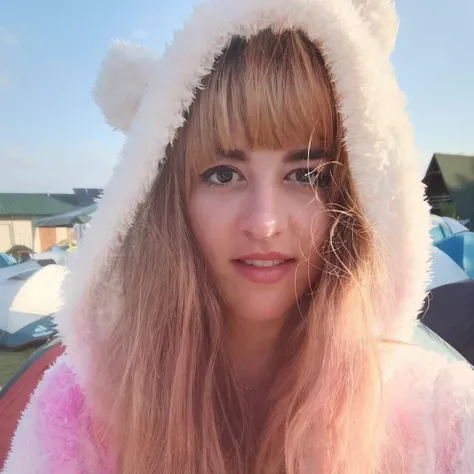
(262, 307)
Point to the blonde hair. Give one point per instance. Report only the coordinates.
(167, 393)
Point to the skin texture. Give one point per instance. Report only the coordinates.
(266, 205)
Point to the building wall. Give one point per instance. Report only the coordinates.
(62, 233)
(37, 247)
(15, 232)
(20, 232)
(23, 233)
(47, 237)
(6, 235)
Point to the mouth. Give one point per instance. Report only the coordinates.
(264, 263)
(265, 268)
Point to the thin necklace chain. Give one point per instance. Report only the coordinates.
(254, 389)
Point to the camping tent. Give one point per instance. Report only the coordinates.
(460, 248)
(26, 307)
(449, 311)
(444, 269)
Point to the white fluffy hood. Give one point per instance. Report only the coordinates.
(145, 97)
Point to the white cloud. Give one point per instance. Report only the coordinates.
(8, 37)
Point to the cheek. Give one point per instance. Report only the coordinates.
(311, 226)
(209, 224)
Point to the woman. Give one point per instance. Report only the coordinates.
(243, 300)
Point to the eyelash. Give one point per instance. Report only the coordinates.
(318, 178)
(221, 168)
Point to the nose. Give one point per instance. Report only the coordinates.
(263, 215)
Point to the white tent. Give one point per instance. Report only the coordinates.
(26, 307)
(455, 226)
(444, 270)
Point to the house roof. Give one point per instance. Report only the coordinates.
(458, 175)
(457, 170)
(80, 215)
(87, 196)
(36, 204)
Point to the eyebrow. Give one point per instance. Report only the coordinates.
(303, 154)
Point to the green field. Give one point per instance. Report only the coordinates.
(11, 361)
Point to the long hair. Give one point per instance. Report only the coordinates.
(166, 394)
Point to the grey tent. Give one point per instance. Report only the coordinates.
(449, 312)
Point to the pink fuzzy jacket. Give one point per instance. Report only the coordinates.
(429, 402)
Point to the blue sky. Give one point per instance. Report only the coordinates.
(53, 138)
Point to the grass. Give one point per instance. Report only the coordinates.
(11, 361)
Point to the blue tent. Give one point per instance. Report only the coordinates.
(460, 248)
(34, 333)
(6, 260)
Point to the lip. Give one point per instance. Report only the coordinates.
(265, 275)
(265, 256)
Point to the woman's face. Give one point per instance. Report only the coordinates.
(260, 220)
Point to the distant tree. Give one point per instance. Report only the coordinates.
(448, 209)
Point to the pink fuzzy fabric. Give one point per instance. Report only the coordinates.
(429, 404)
(54, 434)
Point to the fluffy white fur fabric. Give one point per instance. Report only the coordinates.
(122, 82)
(145, 96)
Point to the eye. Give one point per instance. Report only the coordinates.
(222, 175)
(309, 177)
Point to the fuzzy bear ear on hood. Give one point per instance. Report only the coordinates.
(121, 83)
(382, 21)
(125, 72)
